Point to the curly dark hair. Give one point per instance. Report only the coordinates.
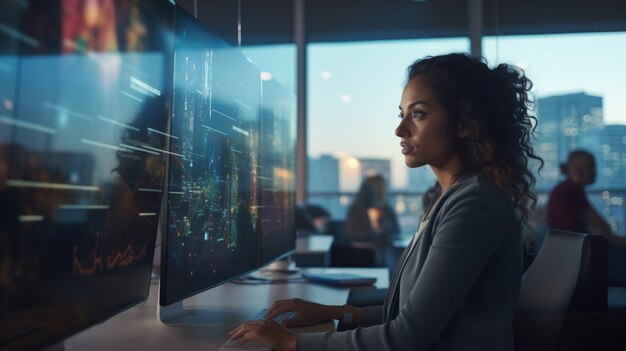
(494, 106)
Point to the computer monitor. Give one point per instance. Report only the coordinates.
(84, 91)
(276, 172)
(210, 235)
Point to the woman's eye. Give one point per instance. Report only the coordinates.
(400, 115)
(417, 114)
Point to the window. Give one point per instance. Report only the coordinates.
(579, 90)
(353, 95)
(275, 62)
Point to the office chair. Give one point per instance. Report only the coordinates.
(616, 319)
(617, 266)
(563, 296)
(343, 253)
(540, 234)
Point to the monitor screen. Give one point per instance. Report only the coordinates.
(276, 171)
(212, 186)
(84, 91)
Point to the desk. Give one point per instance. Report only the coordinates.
(313, 251)
(139, 329)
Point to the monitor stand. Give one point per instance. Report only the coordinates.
(284, 266)
(278, 271)
(177, 314)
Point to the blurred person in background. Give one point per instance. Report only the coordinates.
(568, 206)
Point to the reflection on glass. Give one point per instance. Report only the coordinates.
(83, 122)
(277, 61)
(276, 171)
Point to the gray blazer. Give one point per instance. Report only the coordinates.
(456, 289)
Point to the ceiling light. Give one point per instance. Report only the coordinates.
(266, 76)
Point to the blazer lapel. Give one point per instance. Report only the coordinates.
(392, 299)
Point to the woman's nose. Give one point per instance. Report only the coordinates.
(401, 130)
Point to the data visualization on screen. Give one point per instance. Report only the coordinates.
(212, 187)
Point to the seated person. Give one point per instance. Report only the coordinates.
(304, 222)
(370, 217)
(371, 222)
(311, 219)
(320, 217)
(457, 284)
(568, 206)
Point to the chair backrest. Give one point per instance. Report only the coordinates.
(617, 265)
(337, 228)
(343, 253)
(540, 234)
(568, 276)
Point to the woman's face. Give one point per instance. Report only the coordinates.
(426, 135)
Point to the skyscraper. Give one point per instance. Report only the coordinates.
(575, 121)
(608, 193)
(612, 160)
(323, 174)
(564, 121)
(373, 166)
(420, 179)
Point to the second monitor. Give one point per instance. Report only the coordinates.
(212, 199)
(231, 186)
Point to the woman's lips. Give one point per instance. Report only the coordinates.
(406, 148)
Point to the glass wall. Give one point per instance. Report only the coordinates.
(354, 89)
(579, 92)
(353, 95)
(276, 62)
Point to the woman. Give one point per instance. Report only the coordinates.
(370, 218)
(456, 286)
(370, 221)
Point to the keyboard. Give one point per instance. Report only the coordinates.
(254, 345)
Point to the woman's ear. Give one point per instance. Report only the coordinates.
(466, 128)
(463, 133)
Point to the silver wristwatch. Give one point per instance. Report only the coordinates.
(346, 315)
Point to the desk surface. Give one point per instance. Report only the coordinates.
(225, 307)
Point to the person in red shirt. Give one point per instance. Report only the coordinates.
(568, 206)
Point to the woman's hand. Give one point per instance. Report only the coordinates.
(267, 332)
(275, 335)
(307, 313)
